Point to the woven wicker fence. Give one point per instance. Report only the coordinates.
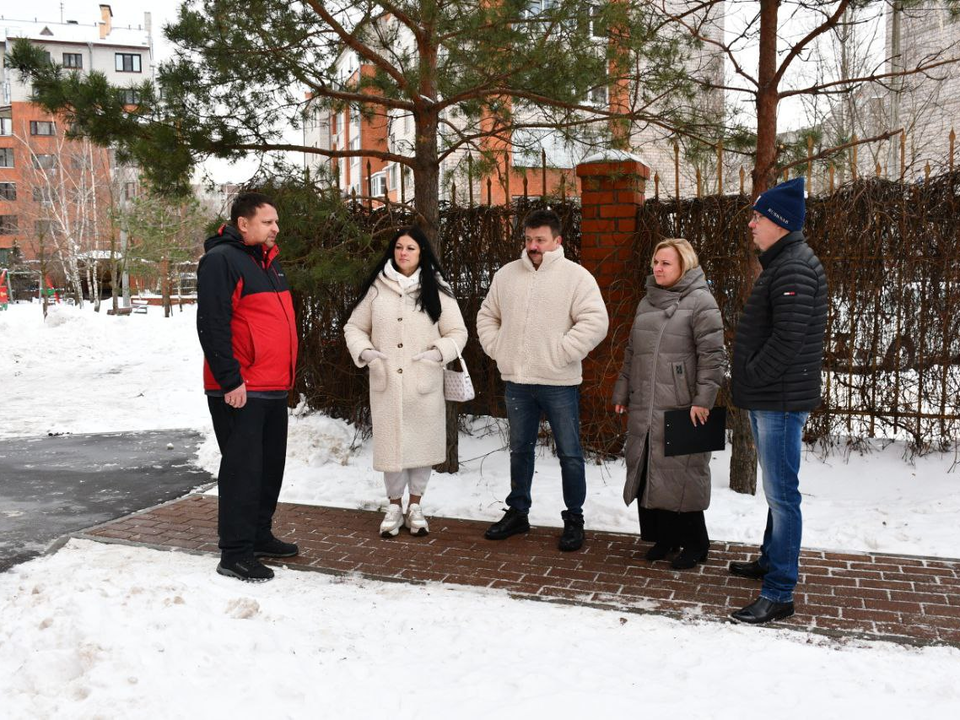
(891, 252)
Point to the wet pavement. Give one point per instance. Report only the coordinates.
(51, 486)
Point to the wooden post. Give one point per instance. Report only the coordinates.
(720, 168)
(506, 178)
(470, 179)
(524, 187)
(676, 168)
(489, 192)
(903, 154)
(809, 163)
(743, 176)
(699, 184)
(953, 140)
(369, 186)
(543, 173)
(926, 172)
(853, 169)
(563, 187)
(656, 185)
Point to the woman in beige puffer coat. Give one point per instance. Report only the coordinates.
(674, 359)
(405, 327)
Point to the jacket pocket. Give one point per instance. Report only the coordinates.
(681, 384)
(378, 376)
(429, 377)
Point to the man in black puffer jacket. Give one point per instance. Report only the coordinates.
(777, 356)
(248, 334)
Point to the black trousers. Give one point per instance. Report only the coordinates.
(253, 446)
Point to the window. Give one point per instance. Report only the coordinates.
(43, 228)
(8, 191)
(598, 23)
(6, 157)
(74, 61)
(129, 96)
(40, 127)
(378, 185)
(44, 194)
(129, 190)
(127, 62)
(45, 162)
(598, 97)
(79, 162)
(6, 126)
(8, 224)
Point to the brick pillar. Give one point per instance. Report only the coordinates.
(613, 184)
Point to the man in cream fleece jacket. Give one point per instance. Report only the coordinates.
(541, 317)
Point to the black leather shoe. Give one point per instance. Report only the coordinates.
(689, 558)
(762, 610)
(275, 548)
(751, 570)
(513, 522)
(572, 537)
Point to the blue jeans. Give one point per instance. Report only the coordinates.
(778, 436)
(561, 405)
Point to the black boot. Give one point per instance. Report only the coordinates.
(694, 538)
(667, 540)
(572, 536)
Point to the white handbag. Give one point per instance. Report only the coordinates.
(457, 386)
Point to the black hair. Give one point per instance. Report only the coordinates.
(539, 218)
(246, 205)
(430, 273)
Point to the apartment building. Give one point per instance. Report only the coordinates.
(520, 161)
(49, 183)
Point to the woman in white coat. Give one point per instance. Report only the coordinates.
(405, 326)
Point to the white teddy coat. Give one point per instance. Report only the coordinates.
(539, 325)
(406, 397)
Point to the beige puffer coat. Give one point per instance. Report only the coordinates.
(406, 397)
(674, 359)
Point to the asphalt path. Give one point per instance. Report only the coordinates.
(52, 486)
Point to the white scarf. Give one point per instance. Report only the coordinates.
(407, 284)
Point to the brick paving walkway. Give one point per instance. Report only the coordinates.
(886, 597)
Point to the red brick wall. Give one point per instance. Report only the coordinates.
(612, 191)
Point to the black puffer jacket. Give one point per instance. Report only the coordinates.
(779, 344)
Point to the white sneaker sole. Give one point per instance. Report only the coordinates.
(390, 533)
(419, 532)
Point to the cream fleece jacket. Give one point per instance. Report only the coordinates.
(540, 324)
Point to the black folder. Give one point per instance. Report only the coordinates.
(682, 437)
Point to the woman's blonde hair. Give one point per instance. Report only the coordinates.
(688, 256)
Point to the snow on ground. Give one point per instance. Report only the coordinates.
(107, 631)
(101, 631)
(84, 372)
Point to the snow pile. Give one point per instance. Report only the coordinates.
(110, 631)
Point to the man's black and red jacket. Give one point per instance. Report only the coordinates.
(245, 316)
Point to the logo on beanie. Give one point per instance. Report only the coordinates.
(778, 216)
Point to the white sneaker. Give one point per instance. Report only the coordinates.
(415, 521)
(390, 527)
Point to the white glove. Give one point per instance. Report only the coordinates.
(369, 355)
(433, 355)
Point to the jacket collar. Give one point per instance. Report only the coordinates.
(549, 258)
(768, 255)
(229, 235)
(662, 298)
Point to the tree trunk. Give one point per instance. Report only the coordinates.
(743, 456)
(165, 287)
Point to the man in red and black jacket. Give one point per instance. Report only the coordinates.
(248, 332)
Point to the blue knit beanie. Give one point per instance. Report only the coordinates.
(784, 204)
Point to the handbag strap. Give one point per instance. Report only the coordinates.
(463, 363)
